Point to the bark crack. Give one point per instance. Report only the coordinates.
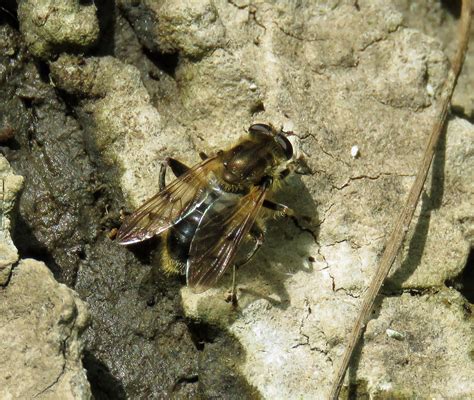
(63, 348)
(306, 339)
(56, 380)
(370, 177)
(298, 37)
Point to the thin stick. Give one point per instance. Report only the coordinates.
(401, 227)
(2, 204)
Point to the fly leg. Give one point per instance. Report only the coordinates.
(285, 211)
(279, 208)
(301, 168)
(257, 234)
(177, 167)
(162, 178)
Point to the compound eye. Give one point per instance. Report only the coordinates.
(261, 129)
(285, 144)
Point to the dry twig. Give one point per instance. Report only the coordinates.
(401, 227)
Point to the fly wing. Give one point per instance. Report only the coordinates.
(218, 238)
(169, 206)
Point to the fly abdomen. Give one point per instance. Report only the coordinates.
(179, 237)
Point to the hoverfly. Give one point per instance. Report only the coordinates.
(211, 209)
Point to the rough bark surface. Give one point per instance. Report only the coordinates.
(41, 321)
(40, 346)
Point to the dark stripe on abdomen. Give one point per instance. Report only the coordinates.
(181, 235)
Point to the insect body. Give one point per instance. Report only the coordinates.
(210, 210)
